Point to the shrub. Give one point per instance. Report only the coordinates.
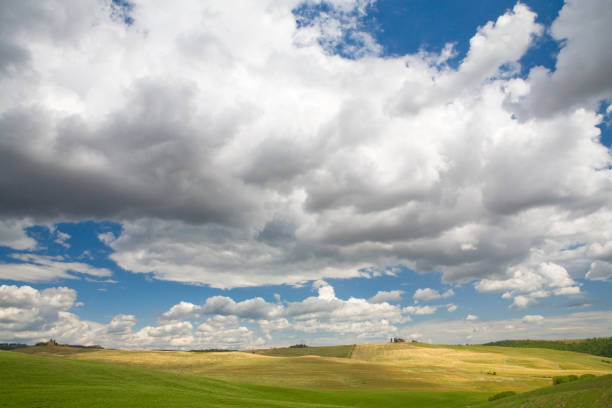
(561, 379)
(501, 395)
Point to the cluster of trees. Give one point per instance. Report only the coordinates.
(55, 343)
(599, 346)
(95, 346)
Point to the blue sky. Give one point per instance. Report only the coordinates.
(256, 175)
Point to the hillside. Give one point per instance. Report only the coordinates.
(601, 346)
(586, 393)
(30, 381)
(325, 351)
(387, 366)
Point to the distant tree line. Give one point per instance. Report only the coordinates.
(95, 346)
(52, 342)
(598, 346)
(11, 346)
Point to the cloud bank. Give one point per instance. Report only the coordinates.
(237, 150)
(31, 315)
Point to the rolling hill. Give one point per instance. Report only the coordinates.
(38, 381)
(387, 366)
(585, 393)
(601, 346)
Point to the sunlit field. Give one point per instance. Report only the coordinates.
(42, 381)
(387, 366)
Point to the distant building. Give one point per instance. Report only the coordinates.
(397, 340)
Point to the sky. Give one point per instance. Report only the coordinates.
(238, 174)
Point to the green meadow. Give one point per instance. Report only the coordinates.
(584, 393)
(362, 375)
(35, 381)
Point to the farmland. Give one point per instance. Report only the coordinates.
(387, 366)
(36, 381)
(594, 392)
(389, 374)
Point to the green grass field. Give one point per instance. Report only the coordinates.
(387, 366)
(588, 393)
(399, 374)
(35, 381)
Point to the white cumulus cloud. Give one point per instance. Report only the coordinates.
(600, 271)
(525, 285)
(532, 318)
(237, 150)
(431, 294)
(36, 268)
(386, 296)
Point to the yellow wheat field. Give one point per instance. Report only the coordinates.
(397, 366)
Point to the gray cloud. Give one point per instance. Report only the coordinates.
(149, 161)
(255, 308)
(600, 271)
(263, 155)
(12, 58)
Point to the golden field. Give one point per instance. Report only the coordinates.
(387, 366)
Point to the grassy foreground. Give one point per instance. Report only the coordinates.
(365, 375)
(35, 381)
(586, 393)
